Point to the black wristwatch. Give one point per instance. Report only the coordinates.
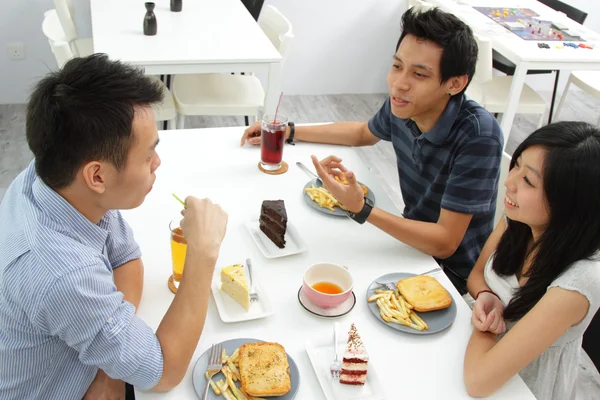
(363, 214)
(290, 140)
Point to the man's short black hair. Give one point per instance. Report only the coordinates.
(459, 48)
(84, 112)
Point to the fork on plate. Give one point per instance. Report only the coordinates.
(252, 288)
(213, 367)
(336, 365)
(392, 285)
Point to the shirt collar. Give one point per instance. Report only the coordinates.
(59, 210)
(442, 128)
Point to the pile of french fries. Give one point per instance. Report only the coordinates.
(325, 199)
(322, 197)
(227, 387)
(395, 309)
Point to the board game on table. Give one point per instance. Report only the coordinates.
(527, 24)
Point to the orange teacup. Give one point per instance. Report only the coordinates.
(327, 285)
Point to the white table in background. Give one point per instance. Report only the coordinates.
(206, 36)
(210, 163)
(526, 54)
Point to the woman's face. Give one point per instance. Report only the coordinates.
(525, 198)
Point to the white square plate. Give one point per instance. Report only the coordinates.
(293, 242)
(320, 355)
(231, 311)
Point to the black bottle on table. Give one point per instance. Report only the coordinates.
(150, 24)
(176, 5)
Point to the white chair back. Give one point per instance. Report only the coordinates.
(64, 10)
(277, 28)
(62, 52)
(504, 167)
(483, 69)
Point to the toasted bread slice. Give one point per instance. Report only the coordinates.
(424, 293)
(264, 369)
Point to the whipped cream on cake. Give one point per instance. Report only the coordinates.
(355, 361)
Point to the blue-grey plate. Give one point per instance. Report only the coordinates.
(437, 321)
(230, 345)
(338, 212)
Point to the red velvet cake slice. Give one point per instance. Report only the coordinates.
(355, 361)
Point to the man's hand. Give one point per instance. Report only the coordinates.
(105, 388)
(253, 132)
(204, 225)
(351, 195)
(487, 314)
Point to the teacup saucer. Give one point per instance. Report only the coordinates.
(338, 311)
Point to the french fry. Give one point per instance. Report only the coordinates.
(223, 356)
(228, 395)
(222, 385)
(379, 291)
(214, 387)
(234, 356)
(415, 317)
(376, 296)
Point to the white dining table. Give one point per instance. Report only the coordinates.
(526, 54)
(207, 36)
(210, 163)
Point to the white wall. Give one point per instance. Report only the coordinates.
(341, 46)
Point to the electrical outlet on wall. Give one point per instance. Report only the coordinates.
(16, 51)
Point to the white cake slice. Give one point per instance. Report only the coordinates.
(233, 282)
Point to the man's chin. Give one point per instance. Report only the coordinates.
(402, 113)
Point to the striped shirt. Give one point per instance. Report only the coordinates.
(61, 316)
(454, 166)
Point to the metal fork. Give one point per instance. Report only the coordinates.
(392, 285)
(213, 367)
(251, 289)
(336, 365)
(308, 171)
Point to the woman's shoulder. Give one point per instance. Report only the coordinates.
(582, 276)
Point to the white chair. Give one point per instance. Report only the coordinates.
(63, 52)
(226, 94)
(492, 91)
(504, 167)
(81, 47)
(588, 81)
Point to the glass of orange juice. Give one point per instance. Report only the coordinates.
(178, 250)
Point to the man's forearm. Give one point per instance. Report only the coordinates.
(344, 133)
(429, 237)
(182, 325)
(129, 280)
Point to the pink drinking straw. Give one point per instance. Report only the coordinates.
(277, 109)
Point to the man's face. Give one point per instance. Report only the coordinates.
(414, 79)
(128, 187)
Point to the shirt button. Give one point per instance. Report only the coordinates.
(109, 320)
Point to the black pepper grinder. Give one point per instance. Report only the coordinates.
(150, 24)
(176, 5)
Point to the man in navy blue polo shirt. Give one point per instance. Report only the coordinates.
(448, 148)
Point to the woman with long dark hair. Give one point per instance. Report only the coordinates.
(537, 280)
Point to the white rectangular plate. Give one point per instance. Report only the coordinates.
(231, 311)
(293, 242)
(320, 354)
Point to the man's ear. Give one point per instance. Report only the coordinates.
(94, 175)
(456, 84)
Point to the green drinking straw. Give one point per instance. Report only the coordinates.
(179, 200)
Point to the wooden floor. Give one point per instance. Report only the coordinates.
(381, 160)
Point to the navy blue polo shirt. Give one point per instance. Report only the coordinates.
(455, 166)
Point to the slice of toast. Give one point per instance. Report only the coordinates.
(264, 369)
(424, 293)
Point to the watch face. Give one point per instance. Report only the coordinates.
(369, 202)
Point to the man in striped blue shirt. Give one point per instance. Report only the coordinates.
(448, 148)
(70, 271)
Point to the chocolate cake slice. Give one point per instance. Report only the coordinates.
(273, 221)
